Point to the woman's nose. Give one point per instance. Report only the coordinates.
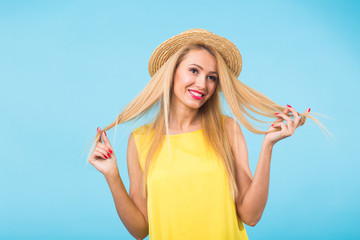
(201, 82)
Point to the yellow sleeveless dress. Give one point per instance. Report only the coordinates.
(188, 194)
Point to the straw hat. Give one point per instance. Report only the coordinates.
(227, 49)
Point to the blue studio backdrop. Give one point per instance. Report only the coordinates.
(67, 67)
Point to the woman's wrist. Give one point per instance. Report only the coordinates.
(112, 174)
(267, 142)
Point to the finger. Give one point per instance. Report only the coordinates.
(296, 117)
(280, 119)
(99, 132)
(275, 125)
(106, 140)
(105, 148)
(103, 152)
(286, 110)
(287, 119)
(99, 154)
(303, 118)
(285, 130)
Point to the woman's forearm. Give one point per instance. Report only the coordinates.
(128, 212)
(251, 208)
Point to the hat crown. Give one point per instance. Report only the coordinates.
(226, 49)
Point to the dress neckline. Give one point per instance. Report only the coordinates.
(182, 134)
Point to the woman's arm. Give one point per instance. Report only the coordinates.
(252, 205)
(253, 196)
(253, 192)
(130, 208)
(128, 212)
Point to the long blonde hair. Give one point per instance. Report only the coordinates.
(238, 96)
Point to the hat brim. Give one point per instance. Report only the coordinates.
(224, 47)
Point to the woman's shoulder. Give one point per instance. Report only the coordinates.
(231, 126)
(228, 120)
(144, 129)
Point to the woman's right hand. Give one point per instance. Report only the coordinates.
(103, 157)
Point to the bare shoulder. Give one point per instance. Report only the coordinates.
(135, 177)
(134, 169)
(131, 145)
(239, 149)
(232, 128)
(132, 158)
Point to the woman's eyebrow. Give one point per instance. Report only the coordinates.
(202, 68)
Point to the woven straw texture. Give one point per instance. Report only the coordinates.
(227, 49)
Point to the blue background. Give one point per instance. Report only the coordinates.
(67, 67)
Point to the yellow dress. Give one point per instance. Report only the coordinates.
(188, 195)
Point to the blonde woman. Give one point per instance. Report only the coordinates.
(188, 168)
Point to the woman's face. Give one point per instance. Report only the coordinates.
(195, 79)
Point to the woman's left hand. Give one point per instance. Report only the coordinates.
(287, 129)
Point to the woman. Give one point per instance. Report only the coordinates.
(189, 171)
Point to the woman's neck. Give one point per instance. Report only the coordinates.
(184, 119)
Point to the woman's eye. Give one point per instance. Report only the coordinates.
(193, 70)
(213, 78)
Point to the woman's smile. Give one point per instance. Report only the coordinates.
(196, 94)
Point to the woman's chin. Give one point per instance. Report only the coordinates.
(195, 106)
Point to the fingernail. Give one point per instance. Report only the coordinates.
(272, 124)
(108, 155)
(276, 113)
(98, 129)
(105, 133)
(109, 150)
(289, 106)
(309, 110)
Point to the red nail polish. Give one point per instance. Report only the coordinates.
(276, 113)
(108, 155)
(105, 133)
(110, 151)
(309, 110)
(289, 106)
(272, 124)
(98, 129)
